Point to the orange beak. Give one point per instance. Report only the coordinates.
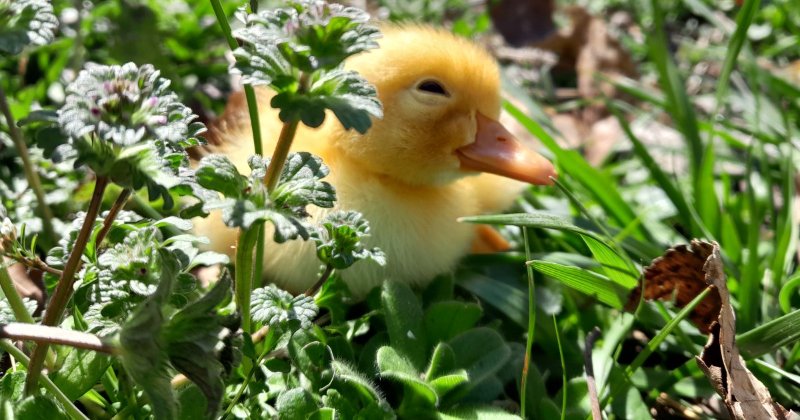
(497, 151)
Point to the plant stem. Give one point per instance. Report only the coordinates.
(14, 300)
(325, 275)
(55, 335)
(280, 154)
(36, 263)
(63, 292)
(73, 411)
(30, 172)
(112, 215)
(244, 273)
(531, 324)
(284, 144)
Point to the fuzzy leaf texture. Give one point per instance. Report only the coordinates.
(143, 354)
(340, 240)
(313, 38)
(274, 306)
(198, 340)
(25, 22)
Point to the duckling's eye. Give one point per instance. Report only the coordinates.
(432, 86)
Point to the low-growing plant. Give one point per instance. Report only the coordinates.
(129, 331)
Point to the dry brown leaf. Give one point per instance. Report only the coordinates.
(678, 275)
(684, 272)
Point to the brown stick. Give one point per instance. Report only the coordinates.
(590, 382)
(55, 335)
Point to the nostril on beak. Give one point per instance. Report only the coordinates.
(501, 139)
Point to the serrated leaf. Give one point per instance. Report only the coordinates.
(26, 22)
(274, 306)
(300, 183)
(339, 240)
(351, 98)
(218, 173)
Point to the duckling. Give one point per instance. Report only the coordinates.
(414, 172)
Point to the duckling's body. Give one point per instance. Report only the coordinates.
(406, 175)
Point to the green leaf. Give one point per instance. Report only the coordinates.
(194, 342)
(192, 402)
(618, 268)
(339, 240)
(295, 404)
(142, 352)
(80, 371)
(402, 312)
(217, 173)
(351, 98)
(274, 306)
(481, 352)
(26, 22)
(480, 412)
(12, 385)
(394, 366)
(584, 281)
(598, 184)
(446, 383)
(300, 185)
(445, 320)
(771, 336)
(509, 299)
(537, 219)
(39, 407)
(442, 361)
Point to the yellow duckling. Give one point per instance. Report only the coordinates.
(413, 173)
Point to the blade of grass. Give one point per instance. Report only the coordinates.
(678, 105)
(584, 281)
(787, 291)
(661, 178)
(531, 323)
(653, 344)
(770, 336)
(563, 371)
(743, 20)
(600, 186)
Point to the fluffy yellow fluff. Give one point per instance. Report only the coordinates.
(403, 174)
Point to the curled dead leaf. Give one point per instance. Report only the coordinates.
(678, 276)
(684, 272)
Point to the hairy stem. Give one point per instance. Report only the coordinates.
(17, 354)
(322, 279)
(55, 335)
(35, 263)
(30, 172)
(244, 273)
(55, 309)
(120, 202)
(14, 300)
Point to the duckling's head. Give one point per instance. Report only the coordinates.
(441, 100)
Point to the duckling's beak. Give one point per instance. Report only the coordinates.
(497, 151)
